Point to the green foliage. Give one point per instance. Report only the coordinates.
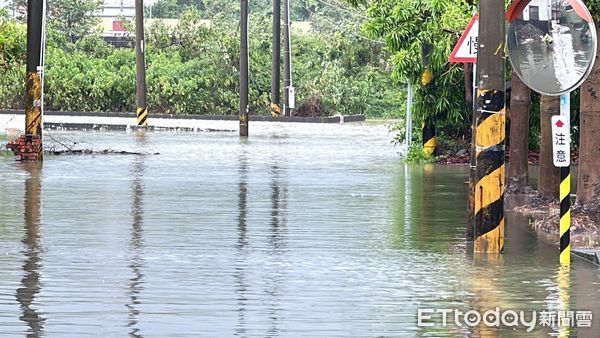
(12, 56)
(199, 72)
(594, 7)
(409, 27)
(70, 18)
(73, 18)
(208, 9)
(12, 43)
(12, 86)
(82, 82)
(415, 154)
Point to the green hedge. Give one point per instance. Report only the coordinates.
(198, 74)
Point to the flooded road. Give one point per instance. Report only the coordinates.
(299, 231)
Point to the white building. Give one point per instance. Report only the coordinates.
(539, 10)
(117, 8)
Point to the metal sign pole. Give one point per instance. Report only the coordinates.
(408, 135)
(473, 164)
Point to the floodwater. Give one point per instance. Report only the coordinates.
(298, 231)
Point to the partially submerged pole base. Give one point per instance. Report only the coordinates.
(429, 140)
(27, 148)
(275, 110)
(142, 117)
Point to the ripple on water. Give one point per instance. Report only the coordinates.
(298, 231)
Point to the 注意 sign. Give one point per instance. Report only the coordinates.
(561, 141)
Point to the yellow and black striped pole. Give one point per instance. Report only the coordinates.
(275, 110)
(565, 215)
(429, 139)
(490, 130)
(142, 117)
(561, 142)
(489, 187)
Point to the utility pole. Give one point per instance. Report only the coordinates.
(140, 59)
(490, 133)
(33, 149)
(244, 68)
(287, 59)
(428, 127)
(276, 60)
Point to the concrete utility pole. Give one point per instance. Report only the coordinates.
(287, 58)
(33, 149)
(428, 127)
(140, 59)
(276, 60)
(244, 68)
(490, 133)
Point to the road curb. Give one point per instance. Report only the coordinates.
(590, 255)
(297, 119)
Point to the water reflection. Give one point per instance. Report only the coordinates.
(241, 287)
(136, 262)
(27, 294)
(563, 279)
(487, 293)
(299, 239)
(407, 201)
(276, 246)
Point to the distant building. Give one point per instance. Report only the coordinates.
(538, 10)
(113, 9)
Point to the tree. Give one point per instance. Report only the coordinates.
(520, 103)
(73, 18)
(588, 183)
(408, 25)
(12, 43)
(174, 8)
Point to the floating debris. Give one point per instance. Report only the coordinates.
(94, 152)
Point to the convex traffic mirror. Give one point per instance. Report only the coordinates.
(552, 44)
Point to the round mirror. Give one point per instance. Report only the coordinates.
(552, 44)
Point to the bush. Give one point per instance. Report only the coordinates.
(194, 69)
